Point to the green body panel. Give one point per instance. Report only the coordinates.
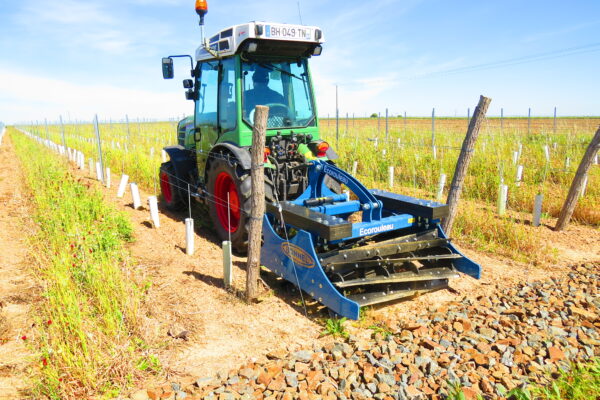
(189, 142)
(242, 134)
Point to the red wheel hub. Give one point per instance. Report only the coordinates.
(229, 217)
(165, 187)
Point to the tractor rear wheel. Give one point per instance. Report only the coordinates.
(229, 204)
(169, 188)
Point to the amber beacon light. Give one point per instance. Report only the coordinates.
(201, 9)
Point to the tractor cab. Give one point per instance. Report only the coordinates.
(259, 64)
(240, 67)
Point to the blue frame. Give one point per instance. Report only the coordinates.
(296, 261)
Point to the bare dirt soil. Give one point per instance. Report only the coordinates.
(17, 286)
(187, 294)
(217, 331)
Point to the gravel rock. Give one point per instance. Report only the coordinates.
(303, 355)
(140, 395)
(488, 345)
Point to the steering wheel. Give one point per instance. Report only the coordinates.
(279, 109)
(279, 115)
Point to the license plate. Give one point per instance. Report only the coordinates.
(287, 32)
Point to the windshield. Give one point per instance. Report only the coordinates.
(283, 87)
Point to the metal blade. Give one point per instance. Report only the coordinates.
(367, 299)
(347, 267)
(409, 276)
(382, 250)
(426, 235)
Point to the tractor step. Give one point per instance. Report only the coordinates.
(368, 299)
(401, 277)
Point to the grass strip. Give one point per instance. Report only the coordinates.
(87, 339)
(581, 382)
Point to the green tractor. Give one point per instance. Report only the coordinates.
(235, 70)
(345, 248)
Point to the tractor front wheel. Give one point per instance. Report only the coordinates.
(229, 205)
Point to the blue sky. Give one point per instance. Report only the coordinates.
(78, 58)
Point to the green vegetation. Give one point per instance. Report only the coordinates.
(335, 327)
(416, 170)
(382, 329)
(481, 228)
(417, 173)
(87, 338)
(455, 391)
(581, 383)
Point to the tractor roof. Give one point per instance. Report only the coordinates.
(229, 41)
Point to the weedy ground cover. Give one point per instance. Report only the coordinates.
(417, 166)
(549, 158)
(87, 338)
(335, 327)
(582, 382)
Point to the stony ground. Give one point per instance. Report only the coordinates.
(488, 345)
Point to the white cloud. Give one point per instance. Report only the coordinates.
(108, 41)
(26, 97)
(64, 12)
(79, 26)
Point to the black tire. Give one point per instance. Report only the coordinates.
(169, 188)
(226, 176)
(240, 178)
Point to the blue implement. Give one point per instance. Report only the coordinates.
(363, 247)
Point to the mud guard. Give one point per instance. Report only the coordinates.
(182, 162)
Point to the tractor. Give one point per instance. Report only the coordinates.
(323, 231)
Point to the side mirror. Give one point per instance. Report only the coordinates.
(188, 83)
(167, 68)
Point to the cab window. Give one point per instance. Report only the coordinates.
(206, 106)
(227, 107)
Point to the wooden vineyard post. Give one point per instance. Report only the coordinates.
(577, 184)
(466, 153)
(258, 201)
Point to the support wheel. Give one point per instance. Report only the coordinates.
(225, 178)
(171, 194)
